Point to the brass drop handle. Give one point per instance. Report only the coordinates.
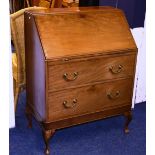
(112, 95)
(70, 105)
(74, 76)
(116, 70)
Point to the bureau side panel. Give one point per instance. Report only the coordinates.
(35, 69)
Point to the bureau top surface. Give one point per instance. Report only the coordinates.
(82, 31)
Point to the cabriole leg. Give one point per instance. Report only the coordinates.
(128, 116)
(47, 134)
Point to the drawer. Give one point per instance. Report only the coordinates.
(88, 99)
(83, 72)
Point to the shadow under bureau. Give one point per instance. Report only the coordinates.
(80, 66)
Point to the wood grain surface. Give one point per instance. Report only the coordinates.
(83, 32)
(94, 70)
(89, 99)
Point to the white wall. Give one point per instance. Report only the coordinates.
(141, 81)
(6, 90)
(139, 35)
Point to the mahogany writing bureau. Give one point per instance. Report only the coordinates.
(80, 66)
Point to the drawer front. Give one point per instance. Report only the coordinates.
(73, 102)
(83, 72)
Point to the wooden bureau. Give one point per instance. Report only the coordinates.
(80, 66)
